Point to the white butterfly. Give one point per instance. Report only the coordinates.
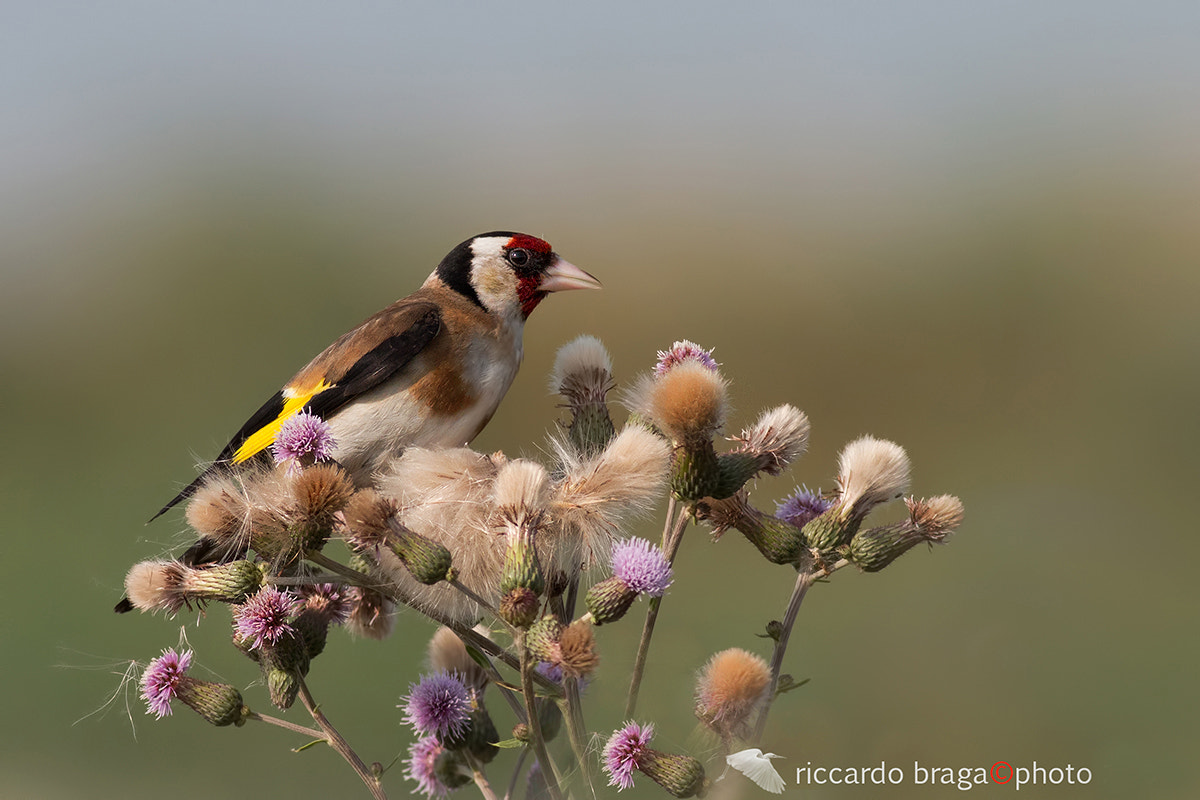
(756, 765)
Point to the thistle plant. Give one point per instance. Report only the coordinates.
(523, 566)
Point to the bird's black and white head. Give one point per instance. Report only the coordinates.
(508, 273)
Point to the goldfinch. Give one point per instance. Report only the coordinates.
(428, 370)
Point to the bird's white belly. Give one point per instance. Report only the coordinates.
(379, 424)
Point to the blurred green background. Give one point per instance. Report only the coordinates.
(970, 228)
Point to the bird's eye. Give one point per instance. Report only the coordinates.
(518, 257)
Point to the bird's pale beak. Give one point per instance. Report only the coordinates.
(563, 275)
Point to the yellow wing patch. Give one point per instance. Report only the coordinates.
(263, 437)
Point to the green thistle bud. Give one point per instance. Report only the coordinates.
(542, 640)
(521, 568)
(695, 473)
(591, 428)
(451, 769)
(733, 470)
(779, 541)
(608, 600)
(519, 607)
(482, 734)
(426, 560)
(521, 732)
(282, 685)
(306, 536)
(312, 629)
(681, 776)
(831, 530)
(232, 582)
(281, 663)
(218, 703)
(583, 376)
(875, 548)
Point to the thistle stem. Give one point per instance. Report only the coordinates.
(516, 773)
(349, 573)
(481, 781)
(677, 520)
(535, 724)
(343, 748)
(804, 579)
(576, 731)
(468, 635)
(471, 595)
(306, 580)
(286, 725)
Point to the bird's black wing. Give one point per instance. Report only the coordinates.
(354, 364)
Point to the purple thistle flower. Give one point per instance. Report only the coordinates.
(625, 747)
(160, 680)
(438, 705)
(265, 617)
(422, 763)
(303, 437)
(554, 672)
(642, 566)
(802, 507)
(684, 351)
(550, 671)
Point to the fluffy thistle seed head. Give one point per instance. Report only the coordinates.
(688, 402)
(253, 508)
(582, 371)
(218, 509)
(236, 511)
(729, 687)
(320, 492)
(522, 490)
(778, 438)
(368, 516)
(583, 376)
(871, 471)
(446, 496)
(596, 497)
(156, 586)
(936, 517)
